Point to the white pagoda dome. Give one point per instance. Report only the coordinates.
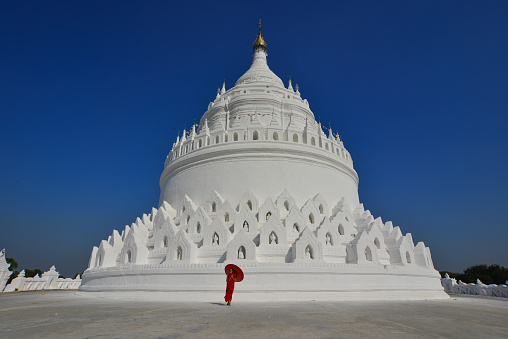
(259, 184)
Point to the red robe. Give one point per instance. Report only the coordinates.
(230, 287)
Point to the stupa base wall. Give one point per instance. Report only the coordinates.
(285, 282)
(249, 296)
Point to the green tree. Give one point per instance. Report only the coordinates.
(32, 273)
(14, 263)
(12, 267)
(12, 277)
(493, 274)
(80, 274)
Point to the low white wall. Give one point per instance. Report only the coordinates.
(48, 281)
(4, 270)
(451, 286)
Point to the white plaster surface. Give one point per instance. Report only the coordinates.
(259, 157)
(184, 264)
(230, 169)
(267, 283)
(63, 314)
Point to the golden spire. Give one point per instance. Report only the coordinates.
(259, 42)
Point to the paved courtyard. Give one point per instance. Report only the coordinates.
(64, 314)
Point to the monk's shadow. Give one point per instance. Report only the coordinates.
(219, 304)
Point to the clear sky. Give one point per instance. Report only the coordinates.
(93, 94)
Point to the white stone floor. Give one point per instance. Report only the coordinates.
(65, 314)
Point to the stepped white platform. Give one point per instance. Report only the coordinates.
(259, 183)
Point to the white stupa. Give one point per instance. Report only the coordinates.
(259, 184)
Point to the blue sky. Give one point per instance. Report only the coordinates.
(93, 94)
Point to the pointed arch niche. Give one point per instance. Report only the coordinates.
(294, 224)
(246, 220)
(248, 199)
(307, 244)
(182, 248)
(243, 243)
(272, 231)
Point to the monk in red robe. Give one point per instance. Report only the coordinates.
(230, 287)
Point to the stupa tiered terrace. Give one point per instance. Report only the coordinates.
(259, 184)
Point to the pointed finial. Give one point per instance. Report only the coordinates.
(290, 87)
(223, 90)
(259, 43)
(297, 91)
